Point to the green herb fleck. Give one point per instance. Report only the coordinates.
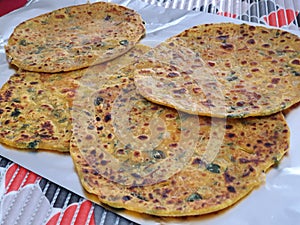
(16, 100)
(296, 73)
(75, 28)
(160, 136)
(23, 42)
(24, 126)
(67, 10)
(39, 50)
(124, 42)
(15, 113)
(57, 113)
(276, 162)
(231, 78)
(33, 144)
(31, 89)
(98, 101)
(158, 154)
(44, 22)
(108, 17)
(63, 120)
(139, 196)
(283, 105)
(128, 146)
(116, 142)
(214, 168)
(232, 159)
(194, 197)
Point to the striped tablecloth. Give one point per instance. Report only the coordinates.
(278, 13)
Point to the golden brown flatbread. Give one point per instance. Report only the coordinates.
(35, 107)
(138, 155)
(74, 37)
(224, 70)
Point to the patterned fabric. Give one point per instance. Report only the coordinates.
(26, 198)
(7, 6)
(278, 13)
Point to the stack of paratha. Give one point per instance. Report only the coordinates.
(149, 158)
(189, 133)
(188, 128)
(35, 106)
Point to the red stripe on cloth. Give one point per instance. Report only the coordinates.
(31, 179)
(7, 6)
(69, 214)
(18, 180)
(66, 216)
(227, 14)
(10, 173)
(53, 220)
(83, 213)
(92, 221)
(281, 18)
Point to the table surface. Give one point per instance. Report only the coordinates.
(56, 205)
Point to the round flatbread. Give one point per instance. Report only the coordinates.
(74, 37)
(166, 163)
(35, 107)
(224, 70)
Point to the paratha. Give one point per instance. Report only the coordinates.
(230, 70)
(35, 107)
(184, 172)
(74, 37)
